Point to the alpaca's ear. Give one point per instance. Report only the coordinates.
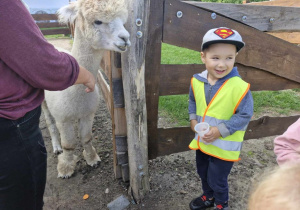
(67, 14)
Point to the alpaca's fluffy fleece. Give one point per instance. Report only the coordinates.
(86, 12)
(103, 10)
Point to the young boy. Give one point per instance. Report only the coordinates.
(221, 98)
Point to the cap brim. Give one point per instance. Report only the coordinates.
(239, 45)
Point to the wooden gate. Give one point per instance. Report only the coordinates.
(266, 62)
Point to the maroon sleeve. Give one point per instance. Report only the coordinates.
(25, 50)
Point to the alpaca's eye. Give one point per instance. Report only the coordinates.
(98, 22)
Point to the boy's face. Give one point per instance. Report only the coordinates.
(219, 60)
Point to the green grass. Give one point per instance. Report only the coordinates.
(55, 36)
(52, 28)
(282, 102)
(175, 107)
(176, 55)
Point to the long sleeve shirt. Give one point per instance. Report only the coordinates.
(287, 145)
(28, 63)
(243, 113)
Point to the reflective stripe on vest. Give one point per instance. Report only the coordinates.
(221, 108)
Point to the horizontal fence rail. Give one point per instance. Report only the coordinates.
(263, 18)
(175, 79)
(49, 25)
(172, 140)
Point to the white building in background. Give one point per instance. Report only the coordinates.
(45, 6)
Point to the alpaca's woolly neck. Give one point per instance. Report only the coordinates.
(85, 54)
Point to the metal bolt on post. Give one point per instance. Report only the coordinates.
(179, 14)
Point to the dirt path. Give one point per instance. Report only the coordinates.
(173, 178)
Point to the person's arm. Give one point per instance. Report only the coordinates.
(25, 51)
(86, 78)
(287, 145)
(192, 109)
(241, 118)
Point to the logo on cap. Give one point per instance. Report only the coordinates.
(224, 33)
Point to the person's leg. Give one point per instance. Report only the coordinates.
(206, 200)
(218, 172)
(23, 160)
(202, 161)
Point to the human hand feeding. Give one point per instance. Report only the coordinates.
(90, 84)
(87, 79)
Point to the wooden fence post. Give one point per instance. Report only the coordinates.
(133, 73)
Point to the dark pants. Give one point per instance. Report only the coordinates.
(23, 163)
(214, 174)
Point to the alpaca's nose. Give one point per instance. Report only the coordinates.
(126, 40)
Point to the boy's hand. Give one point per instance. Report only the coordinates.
(212, 135)
(193, 123)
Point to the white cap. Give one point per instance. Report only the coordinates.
(222, 35)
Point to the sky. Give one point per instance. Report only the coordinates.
(46, 3)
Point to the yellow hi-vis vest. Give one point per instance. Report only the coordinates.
(220, 109)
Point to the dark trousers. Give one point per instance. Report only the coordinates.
(23, 163)
(214, 176)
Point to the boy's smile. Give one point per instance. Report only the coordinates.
(219, 60)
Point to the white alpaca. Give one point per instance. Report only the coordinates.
(99, 27)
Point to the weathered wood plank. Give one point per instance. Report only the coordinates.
(44, 21)
(262, 80)
(56, 31)
(38, 17)
(120, 121)
(105, 89)
(172, 140)
(108, 69)
(105, 64)
(284, 18)
(175, 79)
(119, 127)
(283, 3)
(292, 37)
(50, 25)
(125, 172)
(152, 74)
(262, 51)
(133, 73)
(117, 60)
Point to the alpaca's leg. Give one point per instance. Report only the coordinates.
(67, 160)
(85, 132)
(55, 138)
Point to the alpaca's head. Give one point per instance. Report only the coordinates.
(101, 22)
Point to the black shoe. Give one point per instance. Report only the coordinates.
(201, 202)
(221, 206)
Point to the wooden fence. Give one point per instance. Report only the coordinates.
(49, 25)
(266, 62)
